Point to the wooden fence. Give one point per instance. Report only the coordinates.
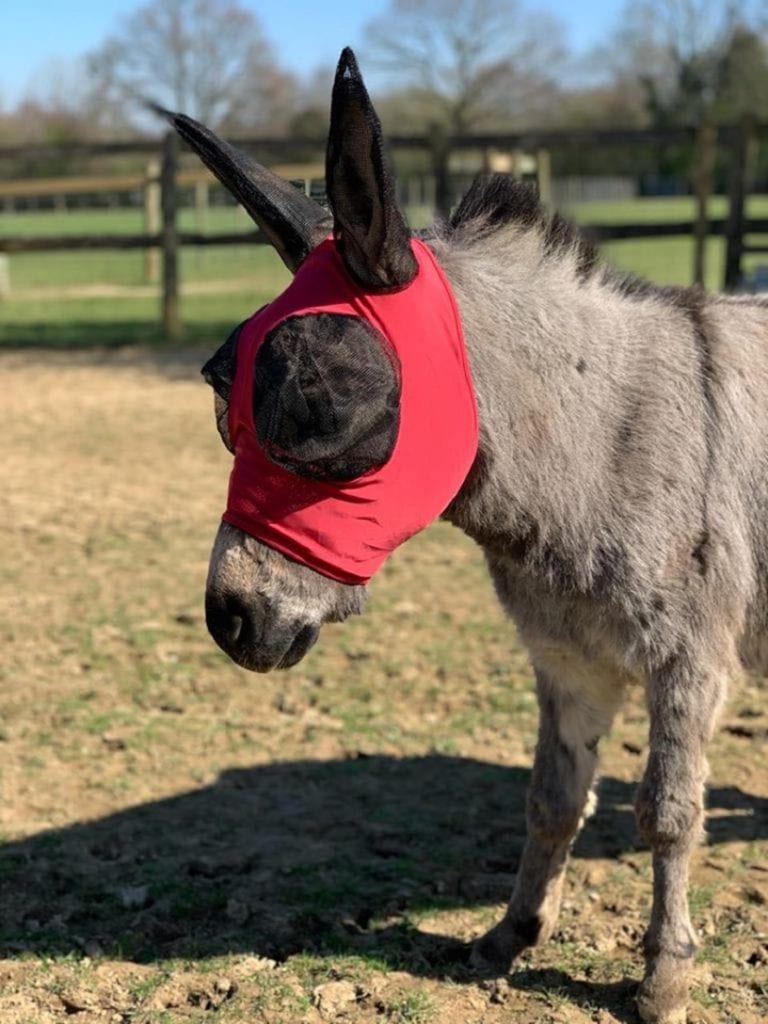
(162, 235)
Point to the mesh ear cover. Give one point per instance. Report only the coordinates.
(367, 223)
(326, 396)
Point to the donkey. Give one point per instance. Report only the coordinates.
(617, 484)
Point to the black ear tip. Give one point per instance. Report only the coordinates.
(192, 131)
(161, 111)
(181, 122)
(176, 120)
(348, 67)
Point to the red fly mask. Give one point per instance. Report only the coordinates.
(351, 415)
(347, 401)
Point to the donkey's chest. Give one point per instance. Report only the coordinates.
(571, 636)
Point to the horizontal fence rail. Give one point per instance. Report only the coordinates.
(716, 226)
(60, 243)
(597, 232)
(159, 184)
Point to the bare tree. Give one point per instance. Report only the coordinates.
(688, 58)
(206, 57)
(60, 104)
(471, 62)
(310, 117)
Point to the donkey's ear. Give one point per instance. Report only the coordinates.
(368, 226)
(292, 222)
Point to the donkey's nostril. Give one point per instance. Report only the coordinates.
(237, 616)
(228, 618)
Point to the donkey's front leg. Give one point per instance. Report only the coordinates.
(570, 727)
(683, 699)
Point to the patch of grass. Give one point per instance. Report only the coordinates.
(700, 898)
(313, 969)
(414, 1007)
(641, 210)
(76, 701)
(556, 997)
(142, 988)
(276, 995)
(46, 309)
(38, 223)
(125, 268)
(50, 963)
(103, 721)
(716, 950)
(703, 997)
(575, 958)
(116, 322)
(667, 261)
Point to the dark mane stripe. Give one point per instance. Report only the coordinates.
(561, 235)
(494, 200)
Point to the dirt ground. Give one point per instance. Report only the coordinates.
(184, 841)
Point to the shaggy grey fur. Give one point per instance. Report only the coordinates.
(620, 494)
(621, 497)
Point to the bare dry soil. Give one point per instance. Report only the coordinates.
(183, 841)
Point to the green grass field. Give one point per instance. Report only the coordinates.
(116, 222)
(82, 298)
(85, 298)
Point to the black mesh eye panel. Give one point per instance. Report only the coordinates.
(326, 397)
(219, 371)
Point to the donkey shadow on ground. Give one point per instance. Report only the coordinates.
(336, 857)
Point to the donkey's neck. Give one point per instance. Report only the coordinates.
(561, 357)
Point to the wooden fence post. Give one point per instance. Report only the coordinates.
(5, 276)
(170, 238)
(439, 152)
(152, 220)
(703, 169)
(737, 189)
(544, 175)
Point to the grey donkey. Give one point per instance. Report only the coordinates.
(619, 493)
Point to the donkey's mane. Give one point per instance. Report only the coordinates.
(497, 201)
(494, 201)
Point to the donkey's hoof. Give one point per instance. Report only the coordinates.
(493, 953)
(663, 994)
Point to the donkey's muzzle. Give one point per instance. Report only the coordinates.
(252, 634)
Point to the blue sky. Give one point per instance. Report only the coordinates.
(305, 33)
